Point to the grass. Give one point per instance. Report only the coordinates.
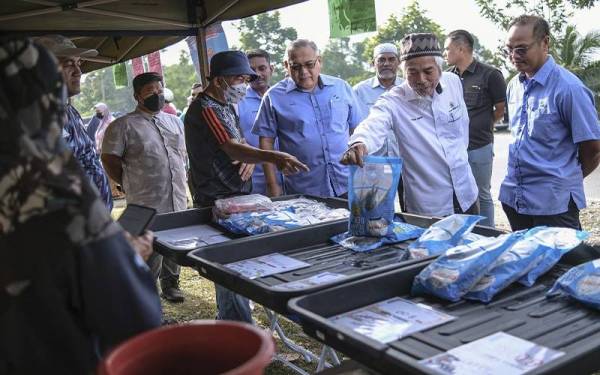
(200, 298)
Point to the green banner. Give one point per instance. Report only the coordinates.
(348, 17)
(120, 75)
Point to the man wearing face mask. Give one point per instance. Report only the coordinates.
(220, 158)
(144, 151)
(429, 117)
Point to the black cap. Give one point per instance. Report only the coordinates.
(231, 63)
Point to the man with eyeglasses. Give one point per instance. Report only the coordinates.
(74, 133)
(484, 92)
(311, 115)
(386, 63)
(556, 135)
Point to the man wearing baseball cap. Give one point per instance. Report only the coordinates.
(429, 117)
(74, 133)
(221, 162)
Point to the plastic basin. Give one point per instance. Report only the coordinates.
(199, 347)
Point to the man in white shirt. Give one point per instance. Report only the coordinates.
(427, 113)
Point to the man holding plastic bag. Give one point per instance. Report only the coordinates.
(429, 118)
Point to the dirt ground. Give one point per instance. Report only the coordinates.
(199, 294)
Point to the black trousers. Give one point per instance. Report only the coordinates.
(568, 219)
(473, 210)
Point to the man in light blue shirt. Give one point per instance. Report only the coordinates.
(260, 62)
(311, 115)
(386, 63)
(556, 135)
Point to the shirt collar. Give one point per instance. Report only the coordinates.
(323, 81)
(251, 93)
(375, 82)
(145, 114)
(541, 76)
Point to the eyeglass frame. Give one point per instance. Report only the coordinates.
(519, 51)
(309, 65)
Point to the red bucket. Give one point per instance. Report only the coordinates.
(200, 347)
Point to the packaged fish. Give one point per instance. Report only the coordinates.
(523, 256)
(455, 272)
(242, 203)
(581, 283)
(556, 242)
(400, 232)
(443, 235)
(371, 194)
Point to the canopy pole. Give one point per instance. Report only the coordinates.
(202, 55)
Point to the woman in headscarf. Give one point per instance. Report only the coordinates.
(71, 286)
(103, 113)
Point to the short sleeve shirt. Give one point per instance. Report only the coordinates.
(84, 149)
(314, 127)
(208, 125)
(152, 151)
(483, 87)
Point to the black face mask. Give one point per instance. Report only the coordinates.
(100, 115)
(155, 102)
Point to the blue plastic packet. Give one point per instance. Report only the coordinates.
(581, 283)
(400, 232)
(371, 195)
(556, 242)
(443, 235)
(523, 256)
(455, 272)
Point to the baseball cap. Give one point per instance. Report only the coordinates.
(62, 46)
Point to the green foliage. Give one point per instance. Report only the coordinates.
(180, 78)
(264, 31)
(343, 61)
(99, 86)
(414, 20)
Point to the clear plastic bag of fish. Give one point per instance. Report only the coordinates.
(523, 256)
(581, 283)
(455, 272)
(371, 195)
(400, 232)
(242, 203)
(443, 235)
(556, 242)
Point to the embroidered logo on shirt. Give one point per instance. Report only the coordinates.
(416, 118)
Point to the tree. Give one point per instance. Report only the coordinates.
(180, 78)
(578, 53)
(343, 61)
(264, 31)
(99, 86)
(413, 20)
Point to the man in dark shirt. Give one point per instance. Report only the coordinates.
(484, 91)
(221, 162)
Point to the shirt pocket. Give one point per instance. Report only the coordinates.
(473, 94)
(339, 115)
(292, 120)
(545, 127)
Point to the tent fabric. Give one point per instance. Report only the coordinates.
(123, 29)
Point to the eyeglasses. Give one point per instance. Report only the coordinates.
(71, 63)
(308, 65)
(519, 51)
